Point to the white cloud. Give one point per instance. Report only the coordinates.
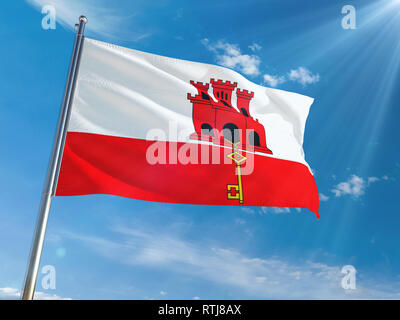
(276, 210)
(300, 75)
(103, 19)
(46, 296)
(239, 221)
(248, 210)
(163, 293)
(323, 197)
(8, 293)
(196, 298)
(179, 14)
(255, 277)
(260, 279)
(354, 186)
(303, 76)
(280, 210)
(255, 47)
(273, 81)
(372, 179)
(229, 55)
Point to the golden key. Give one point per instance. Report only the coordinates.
(235, 191)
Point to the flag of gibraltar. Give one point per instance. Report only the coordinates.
(154, 128)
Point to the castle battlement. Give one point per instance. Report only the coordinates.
(221, 83)
(200, 85)
(244, 93)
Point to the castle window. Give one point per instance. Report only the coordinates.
(205, 96)
(225, 103)
(226, 96)
(207, 130)
(254, 139)
(231, 132)
(218, 94)
(244, 111)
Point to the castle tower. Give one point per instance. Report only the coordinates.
(243, 101)
(200, 86)
(223, 90)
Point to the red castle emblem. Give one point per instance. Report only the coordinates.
(219, 122)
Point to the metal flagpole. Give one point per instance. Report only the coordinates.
(54, 166)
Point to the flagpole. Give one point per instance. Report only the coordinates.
(54, 166)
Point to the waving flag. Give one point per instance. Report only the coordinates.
(154, 128)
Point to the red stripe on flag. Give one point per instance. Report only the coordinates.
(99, 164)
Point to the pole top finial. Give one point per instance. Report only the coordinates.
(83, 18)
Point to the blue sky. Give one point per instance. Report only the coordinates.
(106, 247)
